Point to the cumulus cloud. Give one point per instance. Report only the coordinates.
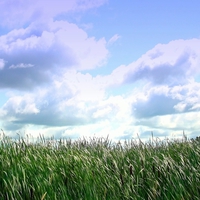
(67, 101)
(173, 123)
(75, 99)
(189, 97)
(21, 105)
(42, 50)
(33, 109)
(166, 100)
(171, 64)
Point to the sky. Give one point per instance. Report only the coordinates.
(98, 68)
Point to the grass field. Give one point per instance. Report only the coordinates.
(97, 169)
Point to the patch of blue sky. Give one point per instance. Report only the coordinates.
(3, 98)
(197, 79)
(124, 89)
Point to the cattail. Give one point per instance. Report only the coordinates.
(121, 178)
(168, 167)
(131, 170)
(65, 181)
(142, 163)
(31, 193)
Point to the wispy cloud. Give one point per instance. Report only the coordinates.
(113, 39)
(21, 65)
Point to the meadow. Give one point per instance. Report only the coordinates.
(98, 169)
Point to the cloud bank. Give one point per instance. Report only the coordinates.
(165, 101)
(45, 66)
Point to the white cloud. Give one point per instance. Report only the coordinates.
(80, 89)
(174, 63)
(51, 48)
(20, 105)
(74, 99)
(152, 101)
(88, 52)
(183, 121)
(102, 112)
(70, 99)
(180, 107)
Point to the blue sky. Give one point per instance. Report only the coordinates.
(100, 67)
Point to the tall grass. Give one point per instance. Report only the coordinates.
(97, 169)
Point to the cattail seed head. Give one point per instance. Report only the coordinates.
(131, 170)
(121, 178)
